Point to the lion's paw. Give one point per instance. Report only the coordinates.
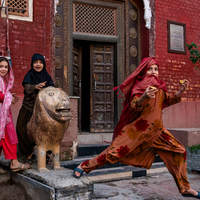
(43, 170)
(58, 168)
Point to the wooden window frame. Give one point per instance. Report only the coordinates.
(26, 14)
(12, 15)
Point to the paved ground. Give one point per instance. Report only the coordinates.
(159, 186)
(155, 186)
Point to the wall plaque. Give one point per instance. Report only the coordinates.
(176, 37)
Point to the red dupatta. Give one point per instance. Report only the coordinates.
(136, 83)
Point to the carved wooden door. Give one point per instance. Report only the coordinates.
(77, 66)
(101, 92)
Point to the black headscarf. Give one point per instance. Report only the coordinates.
(33, 77)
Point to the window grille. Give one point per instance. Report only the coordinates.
(18, 7)
(94, 20)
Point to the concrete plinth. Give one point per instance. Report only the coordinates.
(187, 136)
(53, 185)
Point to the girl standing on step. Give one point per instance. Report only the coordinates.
(36, 79)
(140, 134)
(8, 136)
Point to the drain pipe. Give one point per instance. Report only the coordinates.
(7, 30)
(7, 39)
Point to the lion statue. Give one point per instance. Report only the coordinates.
(50, 120)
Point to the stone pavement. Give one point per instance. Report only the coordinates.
(155, 186)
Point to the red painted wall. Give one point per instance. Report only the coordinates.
(27, 38)
(2, 36)
(177, 66)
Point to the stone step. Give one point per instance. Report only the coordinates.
(111, 168)
(72, 164)
(91, 149)
(127, 175)
(95, 149)
(136, 172)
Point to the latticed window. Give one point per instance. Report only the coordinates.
(18, 7)
(94, 19)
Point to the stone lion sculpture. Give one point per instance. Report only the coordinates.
(50, 120)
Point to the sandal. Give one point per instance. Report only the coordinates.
(28, 161)
(19, 168)
(190, 195)
(31, 160)
(78, 170)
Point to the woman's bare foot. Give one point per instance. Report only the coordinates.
(191, 191)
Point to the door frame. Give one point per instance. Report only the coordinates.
(66, 37)
(114, 80)
(118, 40)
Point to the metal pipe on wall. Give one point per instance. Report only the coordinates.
(7, 30)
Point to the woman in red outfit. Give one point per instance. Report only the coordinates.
(140, 134)
(8, 136)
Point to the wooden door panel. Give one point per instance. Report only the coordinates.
(102, 82)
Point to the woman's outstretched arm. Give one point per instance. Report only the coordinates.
(183, 87)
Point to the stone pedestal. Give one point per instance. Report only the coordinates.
(187, 136)
(54, 185)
